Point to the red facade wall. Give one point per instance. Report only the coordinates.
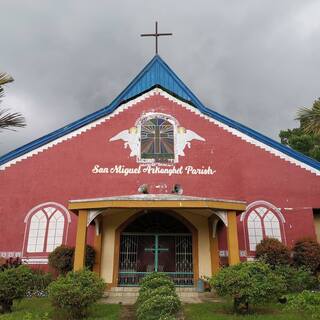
(243, 171)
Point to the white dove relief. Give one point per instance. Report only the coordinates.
(130, 138)
(184, 138)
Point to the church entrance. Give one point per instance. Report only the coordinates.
(155, 241)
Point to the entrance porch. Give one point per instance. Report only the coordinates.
(139, 234)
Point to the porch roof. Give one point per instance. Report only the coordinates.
(156, 201)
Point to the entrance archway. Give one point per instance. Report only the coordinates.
(156, 241)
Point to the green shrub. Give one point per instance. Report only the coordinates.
(273, 252)
(74, 293)
(297, 279)
(61, 258)
(248, 283)
(158, 307)
(39, 284)
(14, 284)
(155, 280)
(306, 302)
(157, 298)
(306, 252)
(162, 291)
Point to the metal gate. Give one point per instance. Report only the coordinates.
(141, 254)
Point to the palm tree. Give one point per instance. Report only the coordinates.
(310, 118)
(9, 120)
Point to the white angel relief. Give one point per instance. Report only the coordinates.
(184, 138)
(157, 141)
(130, 138)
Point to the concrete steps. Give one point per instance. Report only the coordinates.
(129, 295)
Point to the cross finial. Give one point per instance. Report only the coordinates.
(156, 35)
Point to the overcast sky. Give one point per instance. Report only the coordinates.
(255, 61)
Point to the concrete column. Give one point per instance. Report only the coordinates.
(81, 240)
(214, 245)
(232, 235)
(97, 245)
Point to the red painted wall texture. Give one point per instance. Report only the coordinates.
(243, 172)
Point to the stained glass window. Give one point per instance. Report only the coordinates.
(157, 139)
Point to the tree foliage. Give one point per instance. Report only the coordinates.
(306, 252)
(306, 143)
(310, 118)
(273, 252)
(9, 120)
(248, 283)
(305, 138)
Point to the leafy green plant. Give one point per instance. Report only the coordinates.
(306, 252)
(248, 283)
(306, 302)
(273, 252)
(74, 293)
(162, 291)
(155, 280)
(157, 298)
(61, 258)
(158, 306)
(14, 284)
(39, 283)
(297, 279)
(31, 316)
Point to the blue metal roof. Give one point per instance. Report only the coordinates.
(157, 73)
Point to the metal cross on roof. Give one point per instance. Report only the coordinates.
(156, 35)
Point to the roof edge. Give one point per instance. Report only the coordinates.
(194, 101)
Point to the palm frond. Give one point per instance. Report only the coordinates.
(310, 118)
(10, 121)
(4, 79)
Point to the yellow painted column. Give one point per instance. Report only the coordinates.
(232, 235)
(81, 240)
(97, 245)
(214, 247)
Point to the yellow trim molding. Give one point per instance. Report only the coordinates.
(174, 204)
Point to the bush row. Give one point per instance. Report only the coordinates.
(305, 253)
(250, 283)
(157, 298)
(71, 294)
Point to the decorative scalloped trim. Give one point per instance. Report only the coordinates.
(79, 131)
(187, 106)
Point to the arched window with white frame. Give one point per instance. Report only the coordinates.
(46, 228)
(262, 220)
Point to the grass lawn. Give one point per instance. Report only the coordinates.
(38, 307)
(223, 311)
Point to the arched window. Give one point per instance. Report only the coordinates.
(262, 221)
(157, 138)
(45, 228)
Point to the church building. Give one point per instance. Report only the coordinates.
(155, 181)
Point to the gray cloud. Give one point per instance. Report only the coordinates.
(254, 61)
